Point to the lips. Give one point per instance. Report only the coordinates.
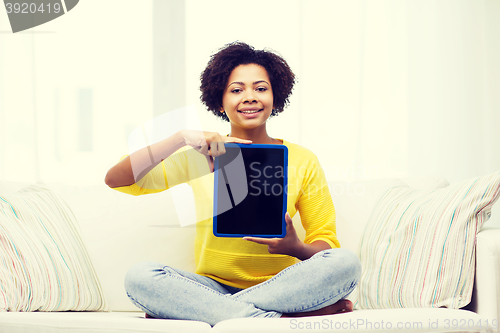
(250, 114)
(250, 110)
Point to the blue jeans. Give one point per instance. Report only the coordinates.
(165, 292)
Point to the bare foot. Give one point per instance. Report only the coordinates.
(342, 306)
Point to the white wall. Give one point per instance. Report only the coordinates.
(386, 88)
(99, 55)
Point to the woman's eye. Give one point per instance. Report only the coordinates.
(235, 90)
(261, 89)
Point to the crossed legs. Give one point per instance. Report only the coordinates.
(315, 286)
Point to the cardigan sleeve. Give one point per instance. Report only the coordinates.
(168, 173)
(315, 206)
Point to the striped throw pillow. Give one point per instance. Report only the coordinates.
(418, 247)
(44, 265)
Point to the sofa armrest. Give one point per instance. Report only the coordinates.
(487, 283)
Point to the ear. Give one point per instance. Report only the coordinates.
(221, 110)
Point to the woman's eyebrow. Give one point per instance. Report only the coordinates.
(241, 83)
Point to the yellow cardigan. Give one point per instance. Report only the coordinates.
(233, 261)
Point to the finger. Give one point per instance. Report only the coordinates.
(221, 148)
(265, 241)
(213, 148)
(204, 150)
(217, 148)
(290, 229)
(210, 161)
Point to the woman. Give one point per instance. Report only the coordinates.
(250, 277)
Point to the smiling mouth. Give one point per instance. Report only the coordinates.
(250, 111)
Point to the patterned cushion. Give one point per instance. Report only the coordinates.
(418, 248)
(44, 265)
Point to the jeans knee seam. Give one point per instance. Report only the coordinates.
(181, 278)
(142, 306)
(271, 280)
(345, 291)
(205, 287)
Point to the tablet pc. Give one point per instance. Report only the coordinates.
(250, 199)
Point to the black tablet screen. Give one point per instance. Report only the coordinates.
(255, 205)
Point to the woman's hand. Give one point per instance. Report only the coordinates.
(210, 144)
(290, 244)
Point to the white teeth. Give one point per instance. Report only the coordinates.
(250, 111)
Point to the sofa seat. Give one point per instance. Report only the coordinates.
(95, 322)
(366, 321)
(361, 321)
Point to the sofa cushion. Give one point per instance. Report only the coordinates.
(44, 262)
(418, 248)
(121, 230)
(355, 200)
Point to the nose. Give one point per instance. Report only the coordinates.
(249, 97)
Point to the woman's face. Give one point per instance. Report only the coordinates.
(248, 97)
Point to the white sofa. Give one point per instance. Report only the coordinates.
(120, 230)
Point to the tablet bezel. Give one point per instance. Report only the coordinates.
(284, 192)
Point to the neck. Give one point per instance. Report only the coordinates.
(257, 135)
